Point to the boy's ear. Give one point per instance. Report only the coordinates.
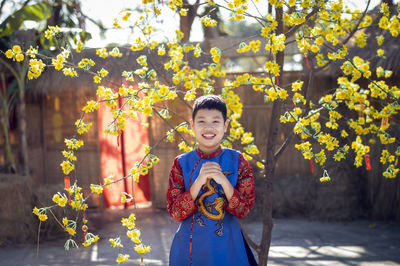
(191, 122)
(226, 125)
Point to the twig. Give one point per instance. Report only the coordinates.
(38, 239)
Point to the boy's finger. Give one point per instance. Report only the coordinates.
(212, 165)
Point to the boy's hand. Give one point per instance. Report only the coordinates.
(211, 170)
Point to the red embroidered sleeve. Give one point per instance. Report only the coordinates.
(242, 200)
(180, 204)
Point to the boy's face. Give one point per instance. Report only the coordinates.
(209, 128)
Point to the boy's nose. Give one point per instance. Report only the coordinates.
(209, 126)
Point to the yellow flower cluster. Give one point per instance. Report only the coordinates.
(71, 231)
(238, 8)
(208, 21)
(325, 177)
(36, 68)
(51, 31)
(73, 144)
(60, 59)
(90, 239)
(96, 188)
(77, 200)
(305, 149)
(360, 150)
(392, 24)
(272, 67)
(115, 52)
(134, 236)
(386, 157)
(79, 46)
(275, 43)
(215, 54)
(142, 249)
(126, 198)
(82, 127)
(40, 213)
(122, 258)
(69, 155)
(361, 39)
(61, 200)
(90, 106)
(251, 149)
(391, 171)
(67, 167)
(70, 72)
(329, 141)
(341, 153)
(102, 52)
(129, 222)
(253, 45)
(86, 63)
(320, 157)
(108, 180)
(271, 27)
(116, 242)
(380, 72)
(294, 18)
(15, 53)
(184, 147)
(128, 75)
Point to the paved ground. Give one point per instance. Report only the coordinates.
(294, 242)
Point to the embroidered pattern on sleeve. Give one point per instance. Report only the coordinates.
(180, 204)
(242, 200)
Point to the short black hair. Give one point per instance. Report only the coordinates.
(209, 101)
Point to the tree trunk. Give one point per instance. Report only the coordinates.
(9, 164)
(21, 114)
(274, 126)
(185, 22)
(9, 159)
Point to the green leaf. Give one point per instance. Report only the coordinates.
(15, 21)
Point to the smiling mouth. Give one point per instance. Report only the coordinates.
(208, 136)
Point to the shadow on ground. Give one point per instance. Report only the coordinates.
(294, 242)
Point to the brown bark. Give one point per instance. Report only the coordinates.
(185, 22)
(274, 126)
(21, 112)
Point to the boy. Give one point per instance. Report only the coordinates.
(209, 188)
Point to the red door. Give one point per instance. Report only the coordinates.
(117, 156)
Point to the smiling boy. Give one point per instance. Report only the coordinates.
(209, 188)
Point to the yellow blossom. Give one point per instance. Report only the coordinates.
(79, 46)
(260, 165)
(35, 211)
(9, 53)
(65, 221)
(135, 233)
(16, 49)
(19, 57)
(67, 167)
(42, 217)
(96, 188)
(108, 180)
(142, 249)
(122, 258)
(91, 106)
(116, 243)
(70, 231)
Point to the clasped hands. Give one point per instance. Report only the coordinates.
(211, 170)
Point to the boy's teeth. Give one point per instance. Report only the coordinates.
(208, 135)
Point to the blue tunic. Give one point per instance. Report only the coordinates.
(214, 242)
